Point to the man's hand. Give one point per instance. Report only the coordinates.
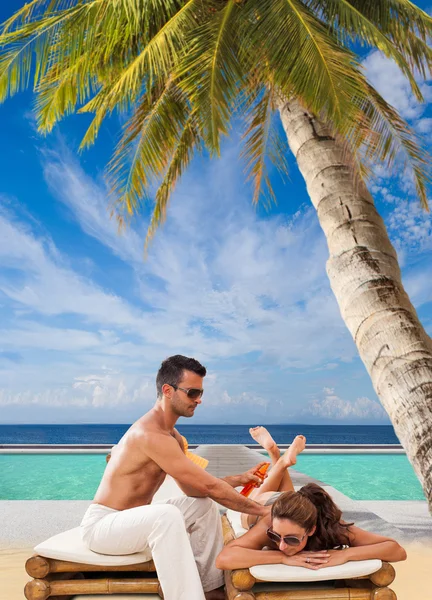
(250, 476)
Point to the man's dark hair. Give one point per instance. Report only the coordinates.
(171, 370)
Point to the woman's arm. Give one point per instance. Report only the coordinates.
(365, 545)
(247, 551)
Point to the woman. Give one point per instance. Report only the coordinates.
(305, 528)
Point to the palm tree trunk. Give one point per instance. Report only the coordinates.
(366, 280)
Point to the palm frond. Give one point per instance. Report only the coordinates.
(388, 138)
(210, 73)
(154, 61)
(61, 91)
(35, 9)
(303, 58)
(348, 21)
(32, 44)
(188, 143)
(261, 142)
(150, 136)
(390, 15)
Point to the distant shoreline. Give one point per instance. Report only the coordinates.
(198, 423)
(109, 434)
(105, 448)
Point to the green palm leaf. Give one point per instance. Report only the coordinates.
(186, 68)
(154, 61)
(348, 20)
(210, 73)
(303, 59)
(150, 135)
(34, 42)
(388, 137)
(261, 142)
(188, 143)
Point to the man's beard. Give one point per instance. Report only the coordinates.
(183, 412)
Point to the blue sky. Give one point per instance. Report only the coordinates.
(85, 321)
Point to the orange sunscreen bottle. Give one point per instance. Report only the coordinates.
(250, 486)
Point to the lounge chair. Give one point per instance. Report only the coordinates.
(63, 566)
(359, 580)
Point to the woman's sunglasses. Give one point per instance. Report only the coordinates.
(290, 540)
(192, 393)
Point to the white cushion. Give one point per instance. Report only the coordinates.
(69, 546)
(353, 568)
(234, 518)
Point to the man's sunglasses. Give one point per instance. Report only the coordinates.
(192, 393)
(290, 540)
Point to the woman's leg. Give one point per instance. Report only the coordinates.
(278, 479)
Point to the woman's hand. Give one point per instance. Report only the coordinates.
(310, 560)
(336, 557)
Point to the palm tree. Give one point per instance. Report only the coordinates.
(181, 69)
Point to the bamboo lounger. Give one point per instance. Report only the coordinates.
(61, 580)
(239, 583)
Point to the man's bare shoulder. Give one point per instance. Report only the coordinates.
(179, 438)
(147, 432)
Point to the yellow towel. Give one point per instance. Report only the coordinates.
(198, 460)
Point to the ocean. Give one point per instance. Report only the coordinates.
(199, 434)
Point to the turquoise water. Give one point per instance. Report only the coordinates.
(50, 476)
(76, 477)
(365, 476)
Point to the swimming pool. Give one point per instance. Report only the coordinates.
(365, 476)
(76, 476)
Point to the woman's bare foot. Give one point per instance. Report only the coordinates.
(263, 437)
(290, 455)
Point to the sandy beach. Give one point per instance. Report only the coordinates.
(413, 576)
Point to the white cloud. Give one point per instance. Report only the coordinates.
(107, 388)
(47, 285)
(203, 299)
(389, 80)
(424, 125)
(330, 406)
(220, 284)
(49, 397)
(88, 201)
(111, 389)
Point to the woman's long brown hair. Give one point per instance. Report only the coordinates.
(312, 506)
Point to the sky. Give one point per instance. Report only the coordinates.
(86, 320)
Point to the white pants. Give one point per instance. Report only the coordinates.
(183, 536)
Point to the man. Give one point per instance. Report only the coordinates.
(182, 535)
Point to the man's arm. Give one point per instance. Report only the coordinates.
(166, 452)
(232, 480)
(186, 489)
